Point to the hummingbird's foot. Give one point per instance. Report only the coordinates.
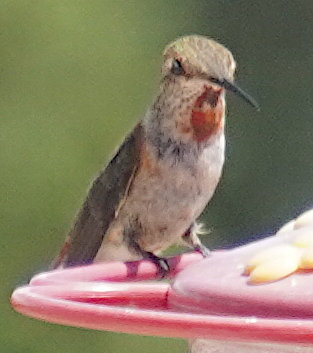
(161, 262)
(191, 239)
(203, 250)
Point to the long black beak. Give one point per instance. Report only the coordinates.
(237, 90)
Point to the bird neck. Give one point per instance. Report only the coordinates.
(183, 128)
(188, 112)
(208, 114)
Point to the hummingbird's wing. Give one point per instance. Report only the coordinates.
(101, 206)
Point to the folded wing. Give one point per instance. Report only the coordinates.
(104, 198)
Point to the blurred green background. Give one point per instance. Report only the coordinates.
(76, 75)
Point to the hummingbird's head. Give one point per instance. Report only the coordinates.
(195, 59)
(190, 107)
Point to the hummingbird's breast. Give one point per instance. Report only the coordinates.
(166, 197)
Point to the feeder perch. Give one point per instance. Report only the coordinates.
(253, 298)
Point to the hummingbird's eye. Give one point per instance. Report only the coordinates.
(177, 68)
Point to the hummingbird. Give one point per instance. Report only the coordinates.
(151, 193)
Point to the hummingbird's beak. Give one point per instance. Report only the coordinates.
(237, 90)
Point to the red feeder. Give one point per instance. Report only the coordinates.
(209, 302)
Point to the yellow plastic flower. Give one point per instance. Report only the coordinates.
(294, 254)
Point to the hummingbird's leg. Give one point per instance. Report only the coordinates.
(161, 262)
(191, 238)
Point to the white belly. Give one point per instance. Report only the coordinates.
(168, 201)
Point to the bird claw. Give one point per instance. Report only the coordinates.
(161, 262)
(203, 250)
(191, 239)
